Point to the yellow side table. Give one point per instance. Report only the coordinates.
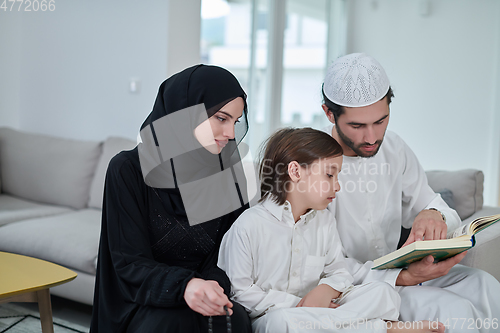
(26, 279)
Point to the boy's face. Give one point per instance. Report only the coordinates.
(320, 182)
(360, 131)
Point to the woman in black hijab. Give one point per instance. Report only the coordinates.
(167, 204)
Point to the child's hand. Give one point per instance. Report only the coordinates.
(319, 297)
(333, 305)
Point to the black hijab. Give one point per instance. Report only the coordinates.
(174, 162)
(201, 84)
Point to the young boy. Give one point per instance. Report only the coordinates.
(284, 257)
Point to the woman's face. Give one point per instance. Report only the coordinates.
(216, 131)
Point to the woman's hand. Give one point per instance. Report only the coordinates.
(207, 297)
(321, 296)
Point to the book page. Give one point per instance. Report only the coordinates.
(460, 231)
(484, 222)
(475, 226)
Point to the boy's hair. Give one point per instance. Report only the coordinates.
(303, 145)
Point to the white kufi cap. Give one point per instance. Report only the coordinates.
(355, 80)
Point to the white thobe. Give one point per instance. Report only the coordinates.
(380, 194)
(273, 262)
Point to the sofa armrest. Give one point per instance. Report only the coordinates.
(484, 255)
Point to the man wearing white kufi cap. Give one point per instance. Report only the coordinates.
(384, 187)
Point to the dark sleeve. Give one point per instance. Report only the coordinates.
(217, 274)
(139, 277)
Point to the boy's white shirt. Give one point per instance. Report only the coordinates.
(379, 195)
(273, 262)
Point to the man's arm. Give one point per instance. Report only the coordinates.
(429, 224)
(434, 219)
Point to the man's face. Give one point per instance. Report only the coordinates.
(360, 131)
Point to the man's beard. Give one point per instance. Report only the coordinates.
(357, 149)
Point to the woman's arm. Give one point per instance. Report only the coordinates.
(140, 278)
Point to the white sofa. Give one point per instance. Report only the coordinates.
(51, 200)
(463, 191)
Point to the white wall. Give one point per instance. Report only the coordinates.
(67, 72)
(183, 34)
(9, 69)
(444, 68)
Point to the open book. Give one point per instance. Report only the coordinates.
(460, 240)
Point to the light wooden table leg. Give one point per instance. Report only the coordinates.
(45, 309)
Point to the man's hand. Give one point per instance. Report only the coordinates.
(206, 297)
(428, 224)
(320, 297)
(426, 269)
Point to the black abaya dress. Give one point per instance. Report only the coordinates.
(148, 253)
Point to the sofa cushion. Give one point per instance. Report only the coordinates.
(466, 186)
(14, 209)
(47, 169)
(111, 147)
(484, 255)
(447, 196)
(71, 239)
